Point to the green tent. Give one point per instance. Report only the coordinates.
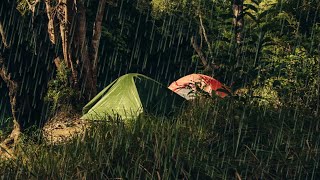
(129, 96)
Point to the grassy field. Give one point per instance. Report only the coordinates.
(212, 140)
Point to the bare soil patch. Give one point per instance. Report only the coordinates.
(63, 127)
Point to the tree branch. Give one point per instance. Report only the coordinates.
(3, 36)
(205, 35)
(201, 37)
(32, 6)
(200, 53)
(51, 29)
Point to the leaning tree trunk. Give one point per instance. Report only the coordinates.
(3, 36)
(13, 87)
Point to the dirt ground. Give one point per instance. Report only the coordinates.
(62, 127)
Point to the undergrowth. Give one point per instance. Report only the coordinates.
(208, 140)
(60, 95)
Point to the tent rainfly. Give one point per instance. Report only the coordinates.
(129, 96)
(186, 86)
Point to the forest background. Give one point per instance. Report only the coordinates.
(58, 54)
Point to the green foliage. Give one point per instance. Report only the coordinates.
(6, 125)
(294, 77)
(158, 42)
(60, 93)
(209, 140)
(267, 97)
(168, 6)
(22, 6)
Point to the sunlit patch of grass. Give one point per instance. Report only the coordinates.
(210, 140)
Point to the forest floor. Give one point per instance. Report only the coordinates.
(63, 127)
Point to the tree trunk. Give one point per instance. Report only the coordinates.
(89, 59)
(86, 68)
(64, 27)
(51, 24)
(97, 33)
(96, 40)
(66, 20)
(77, 56)
(3, 36)
(238, 23)
(13, 87)
(77, 49)
(238, 20)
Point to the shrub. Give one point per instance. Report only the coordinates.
(60, 93)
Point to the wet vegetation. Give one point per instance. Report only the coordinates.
(215, 139)
(266, 51)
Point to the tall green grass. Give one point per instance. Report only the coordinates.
(208, 140)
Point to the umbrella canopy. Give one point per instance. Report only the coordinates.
(187, 86)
